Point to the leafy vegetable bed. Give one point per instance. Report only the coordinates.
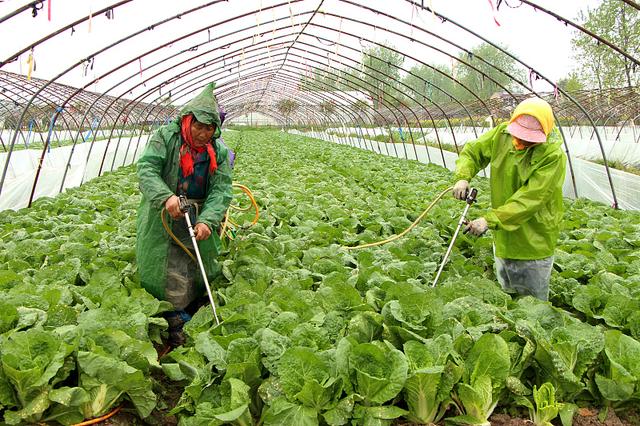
(312, 333)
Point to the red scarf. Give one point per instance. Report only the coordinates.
(186, 158)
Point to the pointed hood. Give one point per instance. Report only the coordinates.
(205, 109)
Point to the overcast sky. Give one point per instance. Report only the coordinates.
(536, 38)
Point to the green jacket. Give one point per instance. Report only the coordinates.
(526, 191)
(158, 169)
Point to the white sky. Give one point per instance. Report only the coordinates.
(534, 37)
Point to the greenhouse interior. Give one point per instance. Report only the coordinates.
(320, 212)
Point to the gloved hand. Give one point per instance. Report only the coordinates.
(477, 227)
(460, 190)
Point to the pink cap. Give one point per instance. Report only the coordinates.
(527, 128)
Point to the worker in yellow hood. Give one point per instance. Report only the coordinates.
(527, 173)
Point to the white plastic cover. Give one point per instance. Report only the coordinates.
(84, 165)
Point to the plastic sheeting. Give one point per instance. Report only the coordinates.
(84, 165)
(592, 183)
(591, 178)
(619, 144)
(26, 138)
(623, 152)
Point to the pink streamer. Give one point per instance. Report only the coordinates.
(494, 13)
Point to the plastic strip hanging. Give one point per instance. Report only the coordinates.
(238, 77)
(31, 62)
(335, 52)
(90, 16)
(51, 123)
(49, 10)
(88, 65)
(26, 141)
(433, 13)
(413, 14)
(255, 33)
(240, 63)
(307, 67)
(338, 39)
(273, 23)
(493, 12)
(291, 14)
(532, 76)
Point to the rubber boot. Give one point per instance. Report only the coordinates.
(177, 320)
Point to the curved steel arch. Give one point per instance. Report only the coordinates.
(284, 75)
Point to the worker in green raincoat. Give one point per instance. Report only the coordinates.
(527, 173)
(182, 158)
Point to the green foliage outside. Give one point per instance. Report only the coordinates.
(430, 85)
(382, 75)
(286, 107)
(379, 74)
(327, 108)
(599, 66)
(495, 82)
(571, 83)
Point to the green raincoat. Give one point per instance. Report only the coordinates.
(526, 191)
(158, 170)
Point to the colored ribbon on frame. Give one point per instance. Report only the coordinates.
(291, 14)
(31, 62)
(49, 10)
(413, 13)
(338, 40)
(273, 31)
(493, 11)
(90, 18)
(532, 77)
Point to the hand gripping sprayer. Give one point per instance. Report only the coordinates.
(471, 198)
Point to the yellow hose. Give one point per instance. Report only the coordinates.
(178, 242)
(100, 419)
(400, 235)
(224, 231)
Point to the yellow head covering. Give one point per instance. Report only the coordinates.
(540, 109)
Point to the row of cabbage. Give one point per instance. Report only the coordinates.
(313, 333)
